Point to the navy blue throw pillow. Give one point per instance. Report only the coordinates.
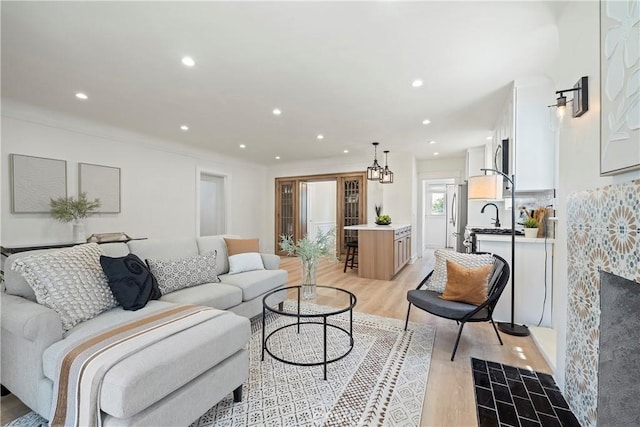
(130, 280)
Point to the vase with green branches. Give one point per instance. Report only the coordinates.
(310, 250)
(68, 209)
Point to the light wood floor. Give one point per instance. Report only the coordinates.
(449, 400)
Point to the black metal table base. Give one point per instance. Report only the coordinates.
(298, 323)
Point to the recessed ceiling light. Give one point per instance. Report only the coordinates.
(416, 83)
(81, 95)
(243, 146)
(345, 151)
(432, 142)
(277, 157)
(489, 138)
(276, 112)
(436, 153)
(188, 61)
(184, 127)
(320, 136)
(426, 121)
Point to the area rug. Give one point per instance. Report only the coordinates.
(509, 396)
(381, 382)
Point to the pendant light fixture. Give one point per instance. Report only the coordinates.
(386, 176)
(374, 171)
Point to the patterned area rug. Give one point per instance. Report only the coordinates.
(381, 382)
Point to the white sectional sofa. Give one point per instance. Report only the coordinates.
(169, 383)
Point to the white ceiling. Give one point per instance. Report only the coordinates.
(342, 69)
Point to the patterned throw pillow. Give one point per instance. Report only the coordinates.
(173, 275)
(438, 279)
(69, 281)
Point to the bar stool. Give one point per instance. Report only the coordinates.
(352, 252)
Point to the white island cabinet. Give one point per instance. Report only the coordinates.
(533, 285)
(382, 249)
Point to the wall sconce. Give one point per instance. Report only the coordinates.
(386, 176)
(580, 100)
(375, 170)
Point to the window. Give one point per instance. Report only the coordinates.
(437, 203)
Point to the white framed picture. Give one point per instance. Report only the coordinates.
(100, 182)
(35, 181)
(620, 88)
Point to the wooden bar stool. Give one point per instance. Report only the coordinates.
(352, 252)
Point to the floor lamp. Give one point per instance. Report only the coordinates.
(490, 187)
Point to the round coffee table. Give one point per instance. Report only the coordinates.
(309, 312)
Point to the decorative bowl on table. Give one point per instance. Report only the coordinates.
(383, 220)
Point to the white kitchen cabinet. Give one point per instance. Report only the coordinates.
(476, 160)
(526, 121)
(533, 278)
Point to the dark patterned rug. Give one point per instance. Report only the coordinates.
(507, 396)
(381, 382)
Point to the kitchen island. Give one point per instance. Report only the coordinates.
(382, 249)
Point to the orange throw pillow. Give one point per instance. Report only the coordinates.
(467, 285)
(241, 246)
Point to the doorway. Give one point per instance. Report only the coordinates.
(436, 212)
(321, 207)
(212, 209)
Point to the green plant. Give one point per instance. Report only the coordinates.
(530, 223)
(383, 219)
(378, 209)
(67, 209)
(311, 249)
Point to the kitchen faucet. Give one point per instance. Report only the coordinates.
(497, 218)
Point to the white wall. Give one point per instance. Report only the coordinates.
(212, 205)
(578, 144)
(158, 179)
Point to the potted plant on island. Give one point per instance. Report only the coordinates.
(67, 209)
(530, 227)
(310, 250)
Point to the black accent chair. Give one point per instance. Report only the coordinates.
(459, 311)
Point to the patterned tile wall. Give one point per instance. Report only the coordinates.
(603, 232)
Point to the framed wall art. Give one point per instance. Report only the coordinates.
(100, 182)
(35, 181)
(619, 86)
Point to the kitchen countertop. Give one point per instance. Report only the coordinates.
(507, 238)
(376, 227)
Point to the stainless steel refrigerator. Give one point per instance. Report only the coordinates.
(457, 220)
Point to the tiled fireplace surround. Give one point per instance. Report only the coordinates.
(603, 233)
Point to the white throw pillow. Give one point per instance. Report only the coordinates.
(69, 281)
(248, 261)
(438, 279)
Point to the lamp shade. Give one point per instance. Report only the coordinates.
(485, 187)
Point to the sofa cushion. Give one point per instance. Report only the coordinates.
(69, 281)
(143, 378)
(241, 246)
(255, 283)
(216, 295)
(163, 248)
(241, 263)
(130, 280)
(216, 243)
(173, 275)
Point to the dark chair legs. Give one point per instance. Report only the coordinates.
(237, 394)
(455, 347)
(352, 253)
(496, 329)
(406, 322)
